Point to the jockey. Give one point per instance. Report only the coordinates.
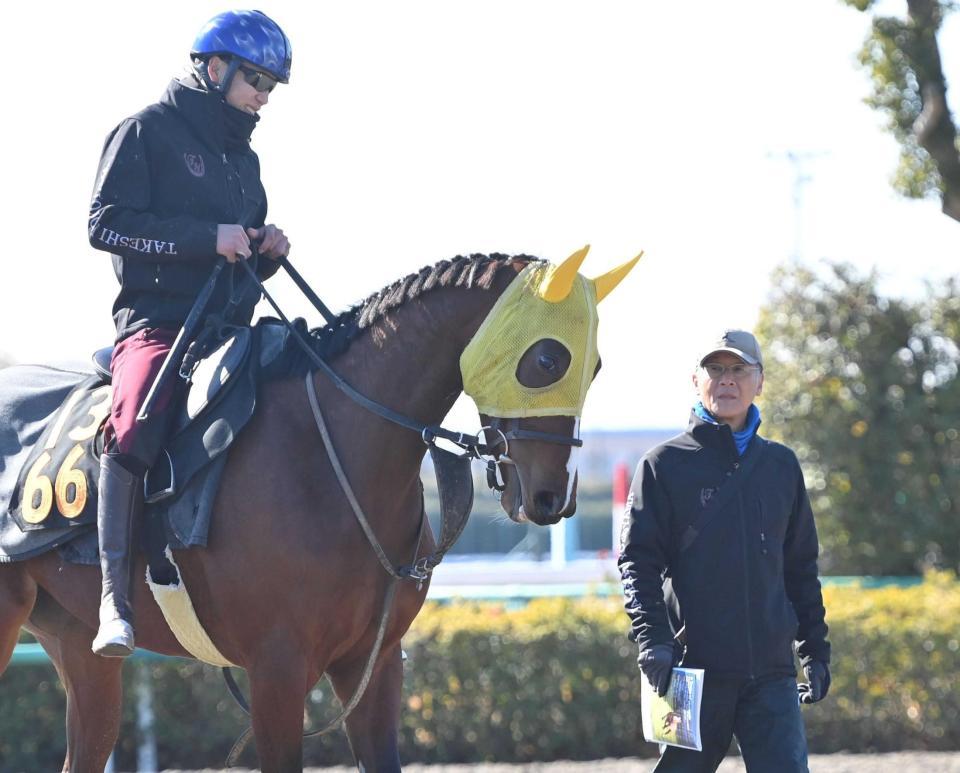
(178, 185)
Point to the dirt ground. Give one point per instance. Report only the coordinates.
(902, 762)
(898, 762)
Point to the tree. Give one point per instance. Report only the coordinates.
(903, 59)
(866, 390)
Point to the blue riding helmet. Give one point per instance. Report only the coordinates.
(249, 35)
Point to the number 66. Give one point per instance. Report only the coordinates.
(69, 507)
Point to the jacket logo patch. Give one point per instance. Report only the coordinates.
(194, 164)
(706, 494)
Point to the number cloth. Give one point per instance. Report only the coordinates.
(57, 481)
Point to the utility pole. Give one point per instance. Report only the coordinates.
(147, 748)
(800, 161)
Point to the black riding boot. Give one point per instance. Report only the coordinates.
(121, 500)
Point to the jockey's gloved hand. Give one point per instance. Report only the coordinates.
(818, 682)
(656, 663)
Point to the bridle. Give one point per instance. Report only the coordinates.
(509, 429)
(419, 569)
(469, 443)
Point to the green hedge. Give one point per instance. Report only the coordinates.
(554, 679)
(557, 679)
(896, 669)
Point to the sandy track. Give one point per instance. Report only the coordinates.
(897, 762)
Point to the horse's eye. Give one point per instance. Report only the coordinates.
(544, 363)
(547, 362)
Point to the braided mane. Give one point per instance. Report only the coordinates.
(476, 270)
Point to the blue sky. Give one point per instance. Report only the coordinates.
(415, 131)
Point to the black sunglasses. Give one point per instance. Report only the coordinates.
(259, 80)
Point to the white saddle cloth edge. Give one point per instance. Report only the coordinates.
(174, 602)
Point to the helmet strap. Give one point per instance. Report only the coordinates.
(232, 66)
(203, 72)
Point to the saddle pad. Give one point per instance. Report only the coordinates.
(174, 602)
(58, 480)
(29, 395)
(29, 398)
(178, 523)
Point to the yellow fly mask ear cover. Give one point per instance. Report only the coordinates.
(520, 318)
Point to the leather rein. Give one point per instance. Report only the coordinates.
(468, 442)
(418, 569)
(471, 444)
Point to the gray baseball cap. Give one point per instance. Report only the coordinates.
(739, 342)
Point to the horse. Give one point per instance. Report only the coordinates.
(288, 587)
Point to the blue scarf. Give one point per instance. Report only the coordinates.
(744, 436)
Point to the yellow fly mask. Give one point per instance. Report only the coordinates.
(545, 301)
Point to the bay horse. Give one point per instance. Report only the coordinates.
(288, 587)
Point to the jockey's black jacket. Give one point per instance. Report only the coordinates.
(747, 587)
(167, 177)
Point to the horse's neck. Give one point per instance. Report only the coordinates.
(410, 359)
(408, 362)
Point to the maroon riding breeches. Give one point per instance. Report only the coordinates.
(135, 363)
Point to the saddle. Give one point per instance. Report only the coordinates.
(56, 468)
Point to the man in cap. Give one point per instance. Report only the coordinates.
(719, 568)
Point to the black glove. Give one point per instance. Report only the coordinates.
(818, 682)
(656, 662)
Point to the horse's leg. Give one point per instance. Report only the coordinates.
(18, 594)
(92, 684)
(278, 686)
(373, 725)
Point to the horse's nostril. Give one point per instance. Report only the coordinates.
(546, 502)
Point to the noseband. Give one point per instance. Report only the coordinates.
(511, 431)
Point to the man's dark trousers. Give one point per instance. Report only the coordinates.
(764, 715)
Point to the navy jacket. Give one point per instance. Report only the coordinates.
(166, 180)
(747, 587)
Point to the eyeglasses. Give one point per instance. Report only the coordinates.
(738, 371)
(259, 80)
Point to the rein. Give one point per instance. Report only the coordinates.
(395, 574)
(241, 743)
(469, 443)
(419, 569)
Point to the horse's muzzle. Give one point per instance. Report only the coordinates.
(549, 507)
